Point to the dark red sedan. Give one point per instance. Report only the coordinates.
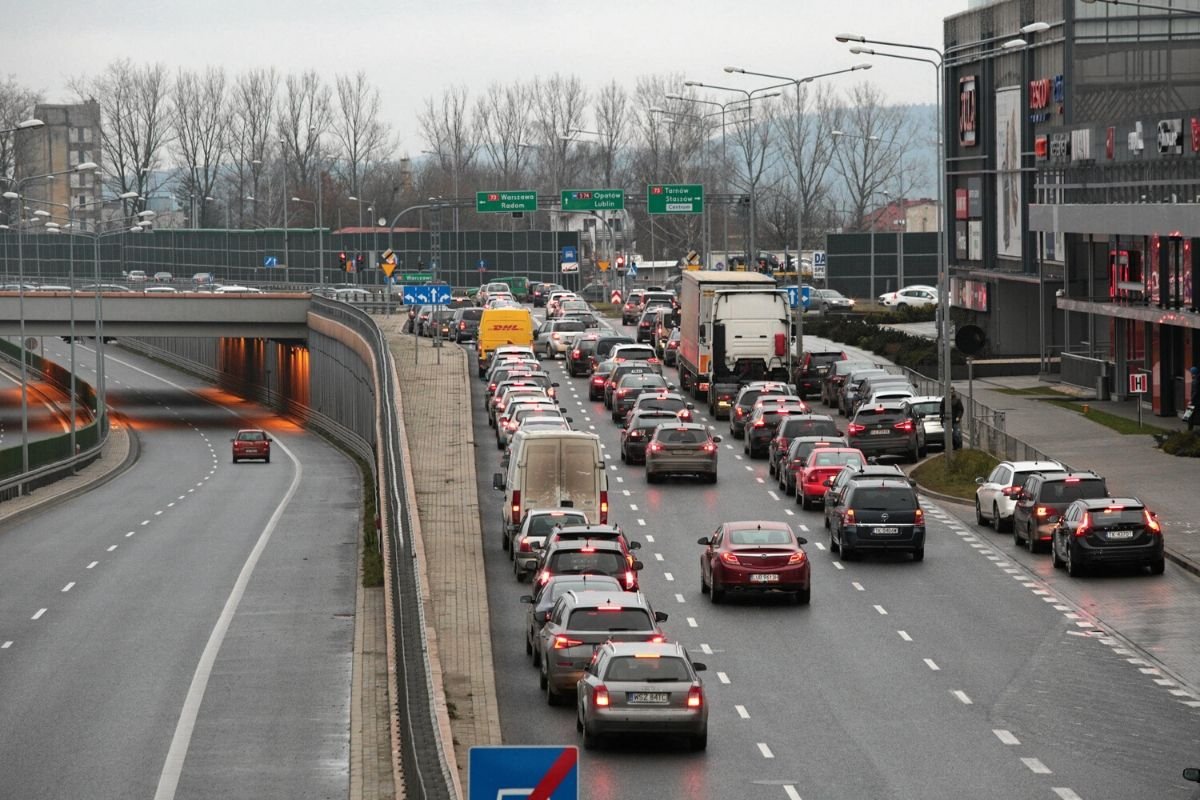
(754, 556)
(251, 443)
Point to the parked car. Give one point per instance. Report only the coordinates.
(136, 276)
(997, 494)
(1107, 530)
(829, 301)
(916, 296)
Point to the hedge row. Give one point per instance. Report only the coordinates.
(868, 334)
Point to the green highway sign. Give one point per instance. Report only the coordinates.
(413, 277)
(593, 199)
(666, 198)
(501, 202)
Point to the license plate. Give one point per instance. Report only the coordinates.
(768, 578)
(880, 432)
(885, 530)
(648, 698)
(1119, 535)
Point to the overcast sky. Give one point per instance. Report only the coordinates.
(411, 50)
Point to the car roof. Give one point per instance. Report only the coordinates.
(757, 524)
(884, 482)
(871, 471)
(924, 398)
(555, 511)
(599, 597)
(1026, 466)
(693, 426)
(595, 544)
(672, 649)
(883, 405)
(1064, 475)
(1104, 502)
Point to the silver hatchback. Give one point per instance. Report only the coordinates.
(684, 448)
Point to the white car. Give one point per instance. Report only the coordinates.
(160, 290)
(136, 276)
(235, 289)
(997, 493)
(911, 296)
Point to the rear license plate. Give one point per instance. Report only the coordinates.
(879, 432)
(885, 530)
(1119, 535)
(768, 578)
(648, 698)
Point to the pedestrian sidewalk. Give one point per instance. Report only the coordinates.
(1132, 464)
(436, 398)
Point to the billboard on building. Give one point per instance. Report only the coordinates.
(1008, 172)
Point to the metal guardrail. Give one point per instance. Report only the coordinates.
(1085, 372)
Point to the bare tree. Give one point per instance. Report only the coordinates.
(363, 138)
(16, 106)
(304, 116)
(871, 154)
(559, 104)
(505, 129)
(136, 115)
(752, 127)
(808, 144)
(252, 114)
(612, 125)
(201, 121)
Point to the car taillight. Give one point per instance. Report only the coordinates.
(635, 434)
(760, 424)
(511, 425)
(598, 380)
(796, 557)
(491, 388)
(741, 412)
(673, 345)
(655, 447)
(562, 642)
(1011, 491)
(630, 580)
(1084, 526)
(551, 393)
(574, 354)
(604, 507)
(622, 392)
(516, 504)
(854, 428)
(905, 425)
(462, 326)
(919, 516)
(710, 447)
(1043, 511)
(1152, 524)
(695, 697)
(730, 558)
(600, 697)
(850, 516)
(525, 546)
(544, 577)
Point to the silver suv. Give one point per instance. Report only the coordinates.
(996, 496)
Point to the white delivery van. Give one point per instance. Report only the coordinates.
(553, 469)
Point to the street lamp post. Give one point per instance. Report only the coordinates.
(284, 197)
(316, 204)
(796, 82)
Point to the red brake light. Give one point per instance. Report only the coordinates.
(920, 516)
(516, 504)
(905, 425)
(695, 697)
(655, 447)
(729, 558)
(604, 507)
(525, 546)
(1071, 480)
(760, 424)
(630, 580)
(850, 515)
(574, 354)
(854, 428)
(710, 447)
(622, 392)
(562, 642)
(796, 557)
(1084, 526)
(1151, 523)
(1011, 491)
(587, 549)
(544, 577)
(600, 697)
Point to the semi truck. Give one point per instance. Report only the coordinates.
(734, 327)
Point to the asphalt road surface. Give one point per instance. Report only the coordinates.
(976, 673)
(186, 629)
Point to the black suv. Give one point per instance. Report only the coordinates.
(579, 357)
(1107, 530)
(887, 429)
(645, 325)
(835, 376)
(813, 366)
(877, 514)
(1043, 500)
(867, 472)
(797, 425)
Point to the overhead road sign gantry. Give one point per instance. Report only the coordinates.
(497, 202)
(680, 198)
(593, 199)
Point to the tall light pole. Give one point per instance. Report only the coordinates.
(797, 82)
(284, 197)
(320, 246)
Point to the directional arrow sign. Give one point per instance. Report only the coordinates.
(437, 295)
(795, 293)
(519, 200)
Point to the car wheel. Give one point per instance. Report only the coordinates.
(919, 554)
(1032, 544)
(914, 454)
(770, 465)
(1158, 566)
(528, 645)
(1054, 559)
(712, 478)
(505, 542)
(923, 451)
(235, 459)
(623, 460)
(803, 597)
(591, 740)
(651, 477)
(834, 547)
(715, 595)
(1074, 566)
(699, 742)
(998, 521)
(543, 679)
(537, 656)
(1016, 532)
(979, 518)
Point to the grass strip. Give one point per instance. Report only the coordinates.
(957, 478)
(1034, 391)
(1121, 425)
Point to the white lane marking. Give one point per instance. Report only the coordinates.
(620, 480)
(1164, 681)
(857, 586)
(633, 507)
(803, 527)
(39, 613)
(1062, 608)
(168, 780)
(728, 447)
(69, 586)
(92, 565)
(1005, 737)
(649, 538)
(766, 751)
(128, 535)
(679, 598)
(773, 495)
(706, 649)
(820, 546)
(962, 696)
(789, 512)
(158, 513)
(172, 504)
(658, 556)
(691, 621)
(591, 427)
(722, 677)
(146, 522)
(791, 792)
(742, 712)
(1036, 766)
(881, 610)
(739, 458)
(904, 635)
(626, 492)
(760, 480)
(668, 576)
(111, 548)
(6, 645)
(838, 565)
(1050, 599)
(641, 522)
(1065, 793)
(929, 662)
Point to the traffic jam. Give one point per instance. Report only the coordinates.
(706, 376)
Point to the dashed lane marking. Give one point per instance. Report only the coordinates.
(679, 598)
(773, 495)
(766, 751)
(1036, 766)
(904, 635)
(706, 649)
(649, 538)
(111, 548)
(668, 576)
(92, 565)
(633, 507)
(691, 621)
(723, 678)
(742, 712)
(39, 613)
(658, 556)
(1065, 794)
(641, 522)
(929, 662)
(1005, 737)
(68, 587)
(858, 586)
(881, 610)
(791, 792)
(962, 696)
(6, 645)
(838, 565)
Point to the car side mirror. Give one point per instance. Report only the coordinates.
(700, 666)
(660, 616)
(827, 482)
(979, 481)
(801, 540)
(691, 406)
(527, 598)
(233, 439)
(1191, 774)
(554, 385)
(638, 566)
(569, 420)
(498, 481)
(716, 439)
(703, 540)
(635, 545)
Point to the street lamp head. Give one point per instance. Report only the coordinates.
(864, 65)
(692, 83)
(250, 197)
(11, 196)
(1013, 44)
(297, 200)
(136, 229)
(674, 97)
(735, 69)
(86, 166)
(772, 94)
(128, 196)
(1036, 27)
(862, 51)
(41, 212)
(837, 133)
(352, 197)
(30, 123)
(147, 214)
(850, 37)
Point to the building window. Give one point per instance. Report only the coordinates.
(85, 156)
(73, 135)
(83, 199)
(73, 158)
(87, 135)
(75, 176)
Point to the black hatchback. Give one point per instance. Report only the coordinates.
(887, 429)
(1107, 530)
(1043, 499)
(877, 514)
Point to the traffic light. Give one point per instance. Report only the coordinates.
(361, 261)
(342, 260)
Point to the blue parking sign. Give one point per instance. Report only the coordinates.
(801, 293)
(523, 773)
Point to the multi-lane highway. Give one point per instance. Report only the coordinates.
(184, 630)
(977, 673)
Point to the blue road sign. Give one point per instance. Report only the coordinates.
(436, 295)
(483, 265)
(519, 773)
(632, 272)
(570, 254)
(803, 293)
(270, 261)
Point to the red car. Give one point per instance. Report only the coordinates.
(251, 443)
(824, 463)
(754, 556)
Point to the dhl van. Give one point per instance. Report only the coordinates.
(501, 326)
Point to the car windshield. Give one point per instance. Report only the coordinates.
(930, 408)
(616, 619)
(837, 459)
(682, 436)
(1117, 515)
(808, 427)
(252, 436)
(774, 536)
(542, 524)
(662, 403)
(886, 499)
(1065, 492)
(666, 669)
